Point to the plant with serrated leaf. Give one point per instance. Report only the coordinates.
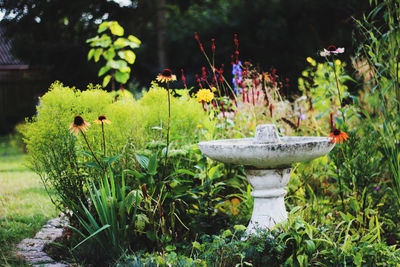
(116, 51)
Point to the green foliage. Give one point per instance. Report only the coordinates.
(357, 170)
(180, 203)
(318, 83)
(158, 259)
(56, 155)
(379, 51)
(172, 194)
(109, 47)
(188, 123)
(297, 243)
(113, 222)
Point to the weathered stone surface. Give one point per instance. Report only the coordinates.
(253, 153)
(49, 233)
(267, 159)
(32, 244)
(31, 249)
(56, 223)
(36, 257)
(57, 264)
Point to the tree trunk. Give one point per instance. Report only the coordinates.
(161, 25)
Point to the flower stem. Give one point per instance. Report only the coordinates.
(104, 139)
(169, 116)
(338, 88)
(90, 148)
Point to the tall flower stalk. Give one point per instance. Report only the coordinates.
(165, 77)
(80, 125)
(332, 51)
(102, 120)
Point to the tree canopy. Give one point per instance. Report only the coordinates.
(52, 34)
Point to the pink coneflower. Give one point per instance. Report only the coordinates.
(79, 124)
(166, 76)
(332, 50)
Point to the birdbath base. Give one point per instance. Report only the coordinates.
(269, 192)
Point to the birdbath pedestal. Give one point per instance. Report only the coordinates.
(267, 159)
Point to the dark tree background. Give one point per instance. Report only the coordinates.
(51, 34)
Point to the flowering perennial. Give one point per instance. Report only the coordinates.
(205, 95)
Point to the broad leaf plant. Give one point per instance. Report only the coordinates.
(116, 51)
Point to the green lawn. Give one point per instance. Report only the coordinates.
(24, 204)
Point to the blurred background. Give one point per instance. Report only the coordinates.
(42, 41)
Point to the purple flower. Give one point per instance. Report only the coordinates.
(237, 76)
(332, 50)
(302, 116)
(377, 188)
(4, 154)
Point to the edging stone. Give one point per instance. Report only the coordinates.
(31, 249)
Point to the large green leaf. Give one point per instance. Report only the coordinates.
(109, 54)
(128, 55)
(106, 80)
(112, 159)
(134, 39)
(103, 41)
(103, 70)
(143, 160)
(91, 53)
(91, 40)
(125, 69)
(103, 26)
(120, 43)
(97, 54)
(121, 77)
(152, 166)
(116, 29)
(135, 173)
(117, 64)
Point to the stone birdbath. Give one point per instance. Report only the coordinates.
(267, 159)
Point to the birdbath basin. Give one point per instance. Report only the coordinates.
(267, 159)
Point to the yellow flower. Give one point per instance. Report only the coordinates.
(337, 62)
(205, 95)
(102, 119)
(78, 124)
(166, 76)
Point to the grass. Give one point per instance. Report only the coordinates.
(24, 203)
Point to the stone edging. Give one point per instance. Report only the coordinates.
(31, 249)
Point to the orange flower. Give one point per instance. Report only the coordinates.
(166, 76)
(234, 206)
(102, 119)
(338, 136)
(78, 124)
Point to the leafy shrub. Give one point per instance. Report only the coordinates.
(158, 259)
(187, 117)
(55, 154)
